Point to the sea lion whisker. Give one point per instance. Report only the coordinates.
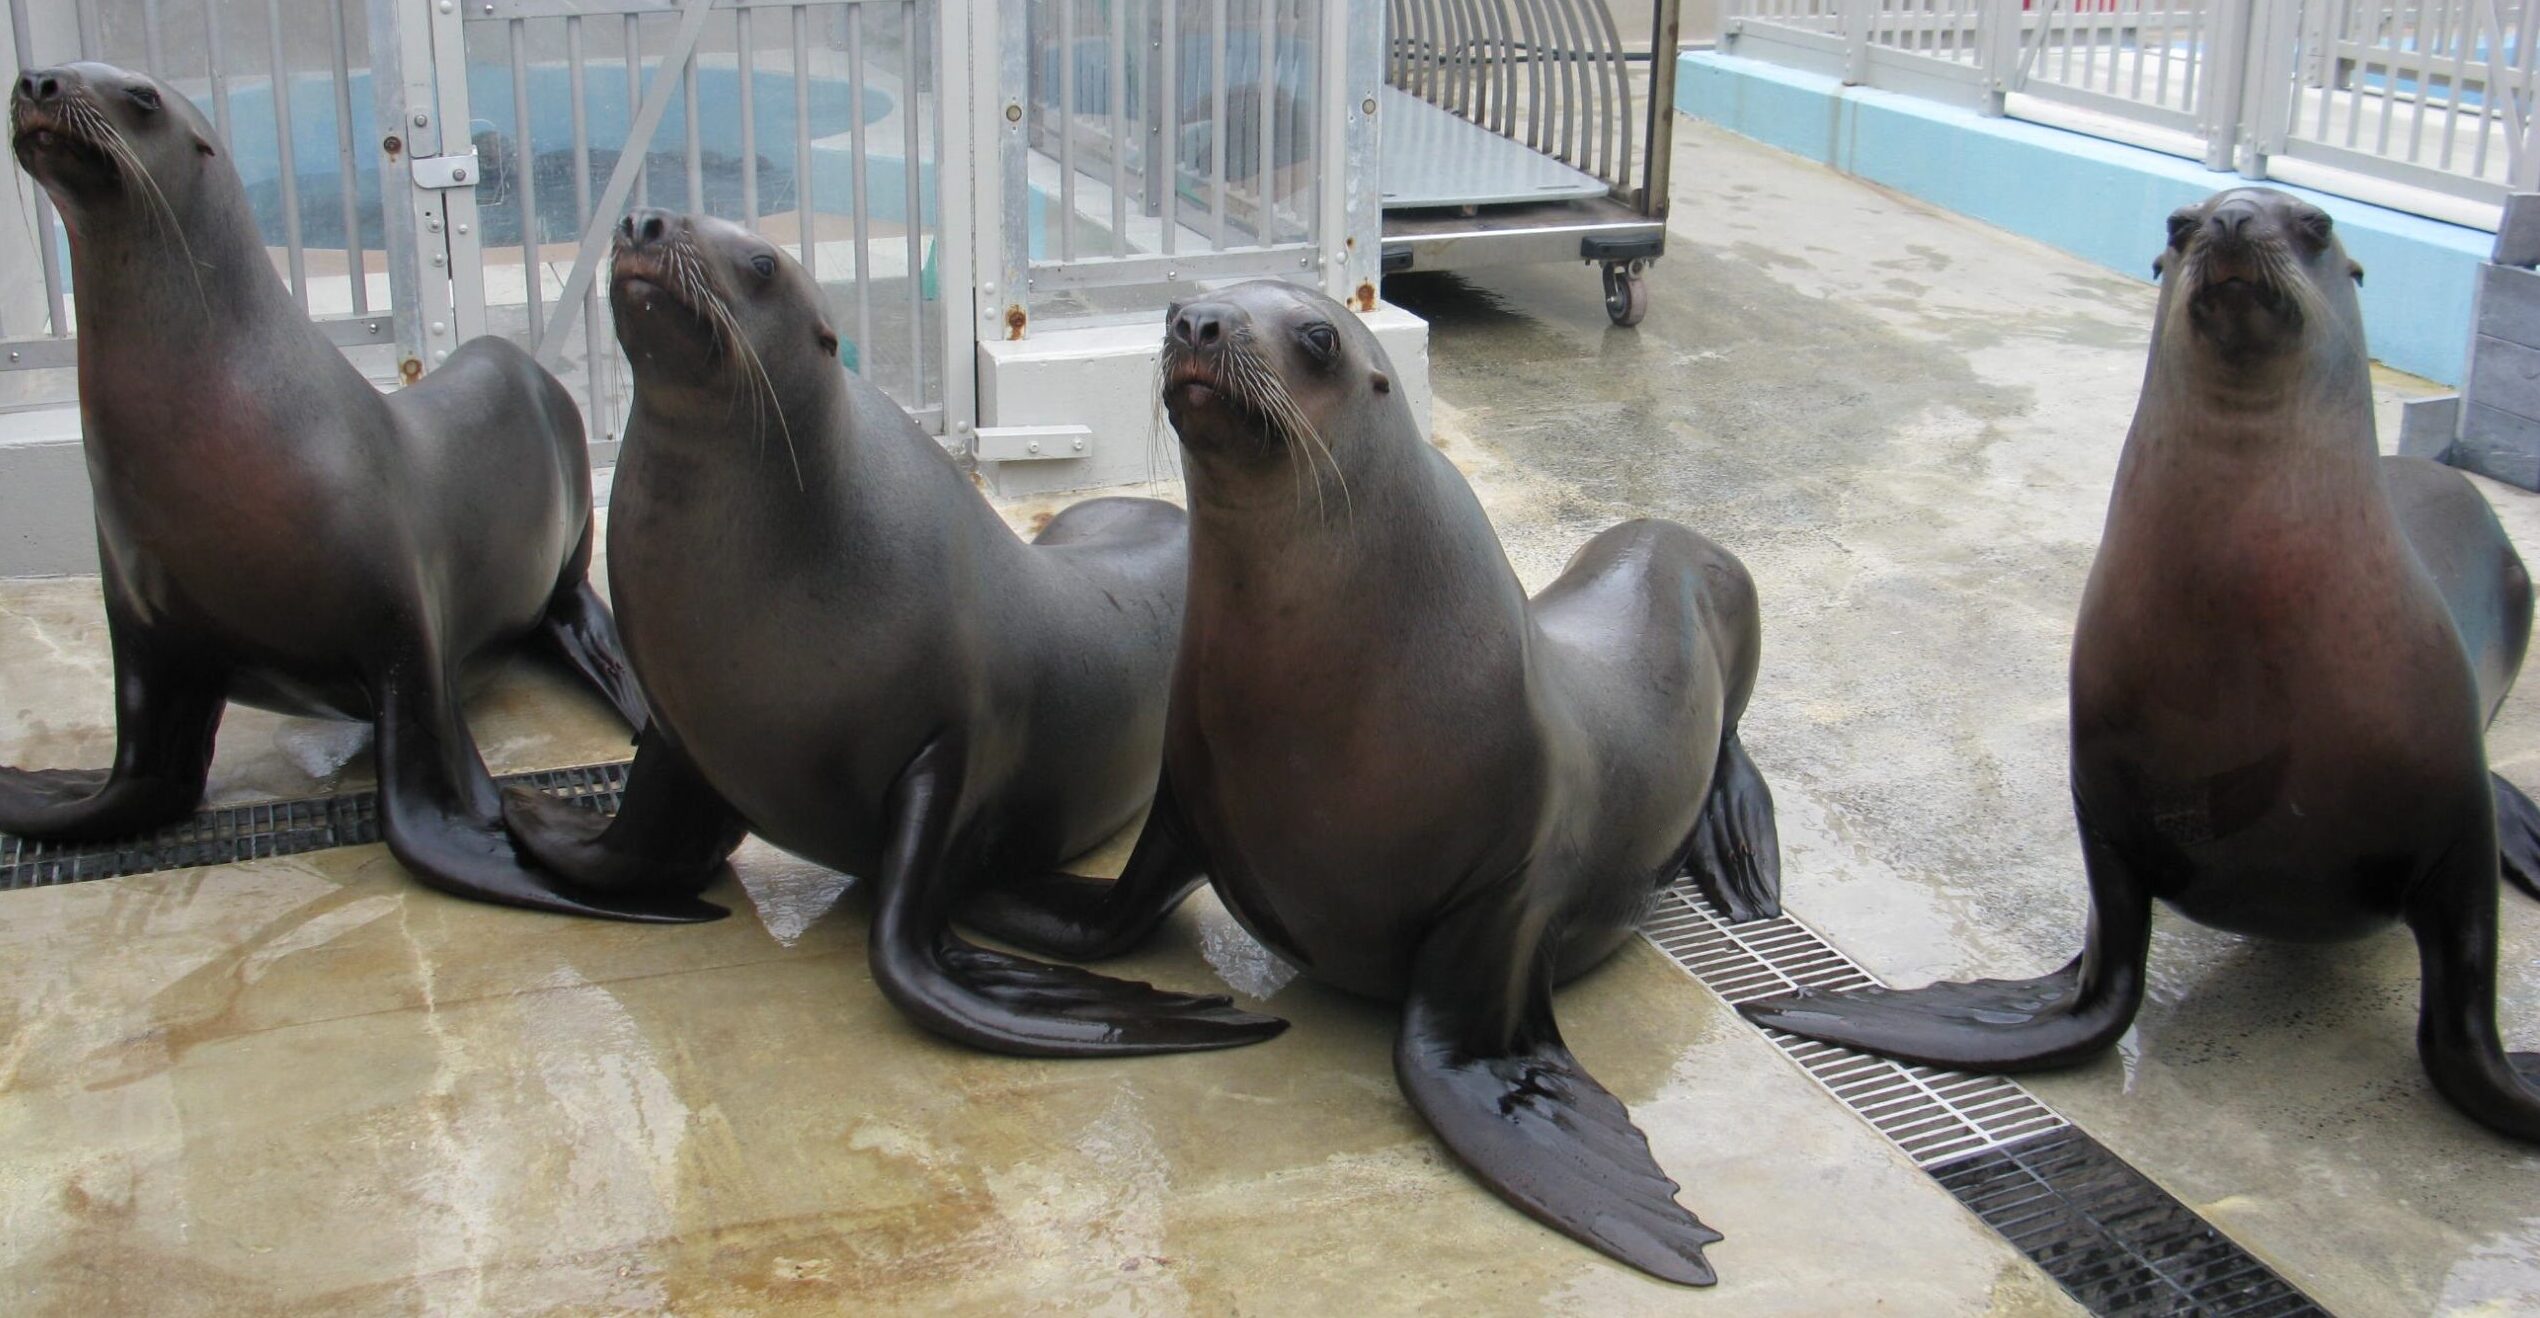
(163, 220)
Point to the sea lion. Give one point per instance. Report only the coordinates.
(1413, 782)
(849, 653)
(272, 530)
(2286, 655)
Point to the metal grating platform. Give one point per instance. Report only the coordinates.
(249, 832)
(2116, 1242)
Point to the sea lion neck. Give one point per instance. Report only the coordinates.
(130, 275)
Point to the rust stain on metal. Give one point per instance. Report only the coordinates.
(1366, 295)
(1014, 320)
(392, 145)
(410, 370)
(1040, 523)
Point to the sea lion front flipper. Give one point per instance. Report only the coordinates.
(2000, 1024)
(443, 817)
(168, 705)
(1081, 919)
(1484, 1064)
(1003, 1003)
(2451, 909)
(670, 834)
(580, 630)
(2517, 836)
(1737, 851)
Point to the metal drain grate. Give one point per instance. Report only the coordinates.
(249, 832)
(1933, 1115)
(2116, 1242)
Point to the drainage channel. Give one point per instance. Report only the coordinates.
(251, 832)
(2111, 1238)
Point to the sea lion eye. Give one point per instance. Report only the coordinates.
(145, 97)
(2316, 226)
(2182, 223)
(764, 264)
(1319, 340)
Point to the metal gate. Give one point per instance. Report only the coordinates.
(526, 128)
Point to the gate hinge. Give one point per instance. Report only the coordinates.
(439, 172)
(1034, 443)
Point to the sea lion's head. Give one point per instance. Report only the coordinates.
(1269, 374)
(709, 312)
(2256, 279)
(106, 141)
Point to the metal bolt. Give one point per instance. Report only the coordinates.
(1013, 112)
(1368, 106)
(392, 144)
(373, 327)
(436, 260)
(489, 7)
(459, 175)
(439, 328)
(1171, 275)
(434, 224)
(1080, 445)
(1302, 262)
(441, 356)
(988, 289)
(462, 228)
(1033, 447)
(13, 356)
(445, 6)
(422, 120)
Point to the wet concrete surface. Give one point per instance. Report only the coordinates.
(308, 1085)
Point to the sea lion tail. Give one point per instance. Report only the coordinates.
(2517, 836)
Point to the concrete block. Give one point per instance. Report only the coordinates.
(2508, 305)
(47, 515)
(2504, 376)
(2518, 236)
(2499, 445)
(2428, 426)
(1105, 378)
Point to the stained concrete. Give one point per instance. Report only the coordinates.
(308, 1085)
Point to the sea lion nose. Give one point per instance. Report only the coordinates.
(1200, 326)
(36, 86)
(644, 226)
(2230, 223)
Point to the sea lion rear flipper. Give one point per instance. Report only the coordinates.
(2452, 911)
(670, 834)
(443, 817)
(1737, 852)
(1081, 919)
(2517, 836)
(168, 703)
(2000, 1024)
(1004, 1003)
(581, 632)
(1487, 1069)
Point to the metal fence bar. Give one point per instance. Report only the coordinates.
(153, 45)
(1168, 94)
(347, 166)
(1267, 223)
(634, 100)
(1217, 133)
(803, 198)
(295, 255)
(596, 363)
(1067, 128)
(863, 192)
(217, 64)
(525, 174)
(85, 14)
(913, 212)
(748, 60)
(1116, 94)
(689, 116)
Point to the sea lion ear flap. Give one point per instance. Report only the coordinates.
(204, 144)
(826, 337)
(2356, 269)
(2160, 265)
(1383, 382)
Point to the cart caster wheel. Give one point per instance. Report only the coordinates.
(1626, 294)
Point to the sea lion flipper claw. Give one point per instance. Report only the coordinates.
(442, 816)
(581, 631)
(1081, 919)
(1999, 1024)
(997, 1001)
(669, 835)
(1736, 855)
(2452, 911)
(1488, 1071)
(2517, 836)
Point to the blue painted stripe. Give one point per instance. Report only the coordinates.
(2103, 201)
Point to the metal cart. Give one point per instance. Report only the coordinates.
(1510, 136)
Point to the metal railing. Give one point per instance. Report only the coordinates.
(816, 124)
(2422, 104)
(283, 84)
(1550, 74)
(1152, 144)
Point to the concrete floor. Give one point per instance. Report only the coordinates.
(308, 1085)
